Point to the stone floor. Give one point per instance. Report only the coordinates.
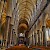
(3, 48)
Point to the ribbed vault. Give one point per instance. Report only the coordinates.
(25, 10)
(25, 7)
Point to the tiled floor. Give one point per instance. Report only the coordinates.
(2, 48)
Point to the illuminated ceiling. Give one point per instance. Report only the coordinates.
(25, 8)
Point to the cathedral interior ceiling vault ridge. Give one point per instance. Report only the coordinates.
(25, 7)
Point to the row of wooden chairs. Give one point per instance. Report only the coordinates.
(26, 48)
(41, 47)
(19, 48)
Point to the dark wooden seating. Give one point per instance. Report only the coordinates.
(32, 48)
(40, 47)
(19, 48)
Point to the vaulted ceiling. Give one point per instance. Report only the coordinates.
(25, 11)
(25, 8)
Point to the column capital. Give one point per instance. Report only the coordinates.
(43, 27)
(8, 16)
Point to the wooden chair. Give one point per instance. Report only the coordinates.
(19, 48)
(38, 47)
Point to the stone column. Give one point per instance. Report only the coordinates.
(0, 16)
(44, 35)
(32, 39)
(0, 22)
(41, 38)
(7, 31)
(11, 35)
(35, 37)
(44, 29)
(38, 37)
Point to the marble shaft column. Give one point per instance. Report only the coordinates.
(11, 35)
(41, 39)
(44, 35)
(7, 31)
(0, 23)
(35, 36)
(32, 39)
(38, 37)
